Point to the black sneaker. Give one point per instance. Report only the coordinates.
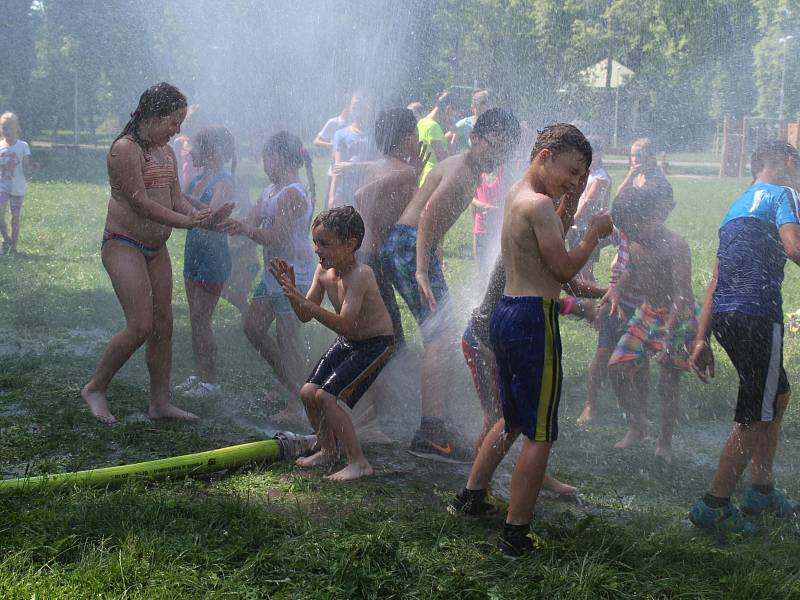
(424, 445)
(514, 542)
(471, 503)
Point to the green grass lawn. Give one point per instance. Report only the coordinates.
(281, 532)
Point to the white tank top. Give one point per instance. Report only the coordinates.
(297, 249)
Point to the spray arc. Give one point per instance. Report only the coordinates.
(283, 446)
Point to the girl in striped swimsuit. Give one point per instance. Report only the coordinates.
(145, 205)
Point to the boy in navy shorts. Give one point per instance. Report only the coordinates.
(364, 346)
(743, 309)
(524, 330)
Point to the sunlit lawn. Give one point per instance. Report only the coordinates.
(279, 532)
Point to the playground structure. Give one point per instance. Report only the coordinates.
(741, 136)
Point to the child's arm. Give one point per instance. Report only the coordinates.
(125, 170)
(594, 194)
(215, 215)
(562, 264)
(291, 207)
(283, 273)
(702, 359)
(790, 237)
(438, 216)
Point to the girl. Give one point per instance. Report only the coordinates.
(280, 222)
(207, 259)
(644, 172)
(145, 205)
(15, 162)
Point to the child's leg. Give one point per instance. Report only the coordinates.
(327, 443)
(624, 377)
(764, 451)
(493, 450)
(16, 211)
(598, 371)
(669, 391)
(204, 347)
(526, 481)
(158, 354)
(341, 426)
(4, 197)
(129, 275)
(734, 457)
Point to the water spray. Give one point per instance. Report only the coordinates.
(283, 446)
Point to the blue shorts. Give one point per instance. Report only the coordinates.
(399, 259)
(280, 304)
(527, 345)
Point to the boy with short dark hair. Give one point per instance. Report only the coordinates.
(365, 341)
(743, 309)
(524, 327)
(389, 184)
(664, 323)
(411, 261)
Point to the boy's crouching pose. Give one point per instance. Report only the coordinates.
(365, 341)
(524, 330)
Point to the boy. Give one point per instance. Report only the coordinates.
(524, 328)
(365, 340)
(410, 260)
(389, 184)
(743, 308)
(665, 321)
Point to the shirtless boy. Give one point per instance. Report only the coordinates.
(524, 328)
(665, 322)
(410, 260)
(389, 184)
(365, 341)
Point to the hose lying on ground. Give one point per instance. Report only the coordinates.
(284, 446)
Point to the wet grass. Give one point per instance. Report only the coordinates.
(279, 532)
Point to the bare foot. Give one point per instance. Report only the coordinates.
(586, 416)
(352, 472)
(170, 411)
(632, 436)
(98, 406)
(557, 487)
(321, 458)
(664, 452)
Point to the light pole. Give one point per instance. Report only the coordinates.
(785, 41)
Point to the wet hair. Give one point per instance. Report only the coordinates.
(392, 127)
(344, 222)
(216, 140)
(772, 152)
(647, 147)
(560, 138)
(500, 122)
(633, 208)
(289, 147)
(159, 100)
(9, 117)
(482, 97)
(416, 108)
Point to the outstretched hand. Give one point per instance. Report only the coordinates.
(702, 361)
(611, 299)
(216, 218)
(281, 269)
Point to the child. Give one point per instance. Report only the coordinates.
(389, 184)
(665, 322)
(432, 128)
(15, 163)
(146, 203)
(280, 224)
(593, 201)
(353, 148)
(245, 264)
(743, 308)
(411, 262)
(644, 172)
(524, 327)
(207, 259)
(487, 217)
(324, 139)
(480, 359)
(365, 340)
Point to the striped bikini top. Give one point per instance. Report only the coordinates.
(158, 174)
